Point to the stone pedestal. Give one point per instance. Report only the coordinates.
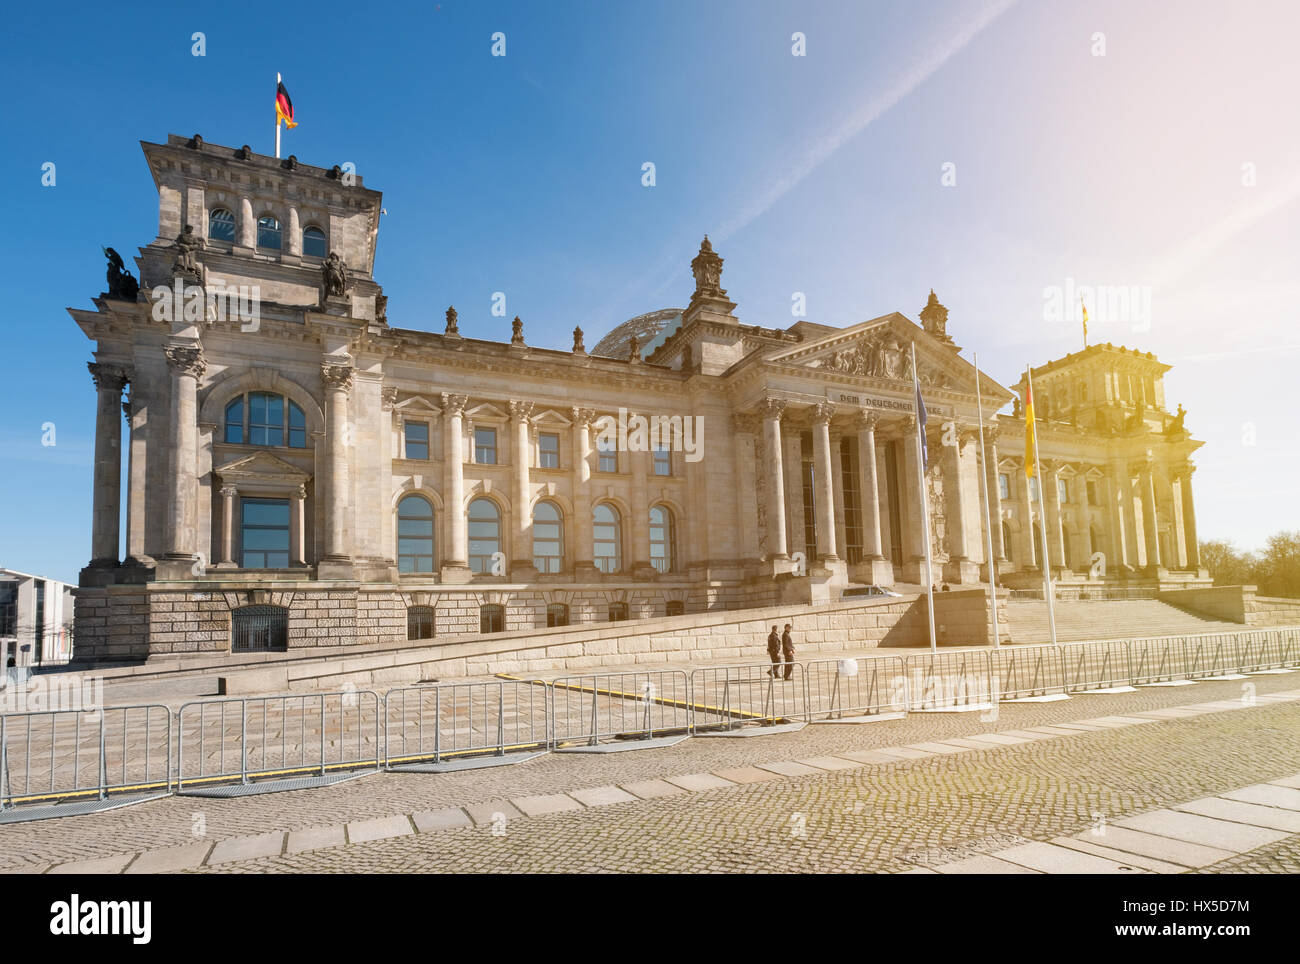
(877, 571)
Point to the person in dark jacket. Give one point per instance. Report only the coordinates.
(787, 650)
(774, 652)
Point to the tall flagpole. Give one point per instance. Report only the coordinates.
(925, 508)
(988, 525)
(277, 117)
(1042, 525)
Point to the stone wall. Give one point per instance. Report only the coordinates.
(1237, 604)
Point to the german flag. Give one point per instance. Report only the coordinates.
(283, 107)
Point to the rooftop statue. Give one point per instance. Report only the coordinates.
(334, 275)
(121, 283)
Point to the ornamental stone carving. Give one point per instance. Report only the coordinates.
(707, 268)
(520, 410)
(110, 377)
(452, 328)
(454, 405)
(771, 407)
(185, 361)
(337, 378)
(822, 413)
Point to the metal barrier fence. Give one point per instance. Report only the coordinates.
(1160, 659)
(1215, 655)
(1099, 665)
(1024, 671)
(726, 697)
(620, 706)
(937, 681)
(61, 755)
(871, 686)
(428, 724)
(305, 740)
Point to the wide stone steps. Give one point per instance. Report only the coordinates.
(1106, 619)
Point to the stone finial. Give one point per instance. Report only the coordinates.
(707, 268)
(578, 347)
(934, 318)
(517, 332)
(452, 329)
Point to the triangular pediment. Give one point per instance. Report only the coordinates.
(417, 404)
(550, 416)
(882, 349)
(261, 466)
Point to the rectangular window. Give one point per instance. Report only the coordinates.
(485, 446)
(264, 533)
(417, 439)
(419, 622)
(492, 618)
(8, 608)
(1092, 494)
(1033, 489)
(1004, 486)
(548, 450)
(848, 456)
(663, 461)
(1063, 490)
(265, 419)
(607, 455)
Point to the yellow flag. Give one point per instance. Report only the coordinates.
(1031, 438)
(1085, 321)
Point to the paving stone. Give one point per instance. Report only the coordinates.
(27, 869)
(601, 796)
(1251, 813)
(973, 743)
(934, 748)
(1000, 738)
(830, 763)
(652, 789)
(169, 859)
(246, 848)
(379, 828)
(905, 752)
(745, 774)
(699, 781)
(1027, 735)
(484, 814)
(427, 821)
(1203, 830)
(1267, 794)
(1162, 848)
(315, 838)
(99, 865)
(1293, 782)
(1061, 860)
(789, 768)
(1119, 856)
(536, 806)
(983, 864)
(870, 756)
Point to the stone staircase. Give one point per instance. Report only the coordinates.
(1078, 619)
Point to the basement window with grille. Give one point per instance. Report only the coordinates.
(259, 629)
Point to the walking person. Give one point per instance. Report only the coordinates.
(774, 653)
(787, 650)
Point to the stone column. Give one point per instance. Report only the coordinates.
(247, 224)
(1119, 498)
(772, 409)
(823, 488)
(1150, 531)
(914, 489)
(109, 382)
(583, 550)
(994, 492)
(522, 568)
(745, 430)
(293, 243)
(837, 491)
(228, 493)
(869, 486)
(1055, 524)
(187, 366)
(1189, 517)
(1032, 549)
(137, 415)
(337, 378)
(456, 555)
(297, 527)
(959, 568)
(640, 467)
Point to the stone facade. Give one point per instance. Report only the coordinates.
(343, 480)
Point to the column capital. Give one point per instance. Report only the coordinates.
(772, 407)
(822, 413)
(866, 420)
(991, 433)
(111, 378)
(185, 360)
(1184, 471)
(454, 405)
(300, 492)
(389, 396)
(229, 491)
(520, 410)
(583, 416)
(337, 378)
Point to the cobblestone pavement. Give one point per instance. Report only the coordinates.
(899, 816)
(1281, 858)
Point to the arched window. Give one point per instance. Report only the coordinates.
(492, 618)
(617, 612)
(414, 535)
(484, 535)
(273, 420)
(607, 538)
(1006, 541)
(419, 622)
(268, 233)
(662, 554)
(313, 242)
(548, 537)
(557, 614)
(221, 225)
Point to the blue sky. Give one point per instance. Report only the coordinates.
(818, 174)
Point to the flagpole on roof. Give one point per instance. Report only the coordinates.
(1044, 559)
(277, 118)
(925, 508)
(988, 524)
